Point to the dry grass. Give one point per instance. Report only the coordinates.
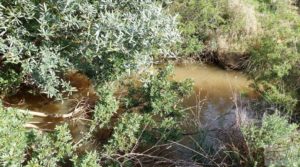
(243, 26)
(242, 29)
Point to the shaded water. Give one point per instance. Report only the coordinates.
(24, 99)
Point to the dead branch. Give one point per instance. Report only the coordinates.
(75, 112)
(70, 115)
(33, 126)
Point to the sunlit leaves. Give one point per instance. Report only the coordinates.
(277, 137)
(13, 138)
(125, 133)
(51, 148)
(91, 159)
(102, 39)
(106, 107)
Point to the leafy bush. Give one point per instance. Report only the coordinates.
(13, 138)
(91, 159)
(274, 58)
(151, 104)
(198, 21)
(17, 142)
(225, 26)
(102, 39)
(273, 143)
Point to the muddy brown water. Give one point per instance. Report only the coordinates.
(218, 103)
(211, 105)
(216, 91)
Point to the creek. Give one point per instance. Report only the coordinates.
(213, 104)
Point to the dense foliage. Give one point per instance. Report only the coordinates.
(17, 142)
(273, 143)
(215, 28)
(275, 58)
(42, 40)
(113, 43)
(13, 140)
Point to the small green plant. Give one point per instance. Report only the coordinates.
(13, 138)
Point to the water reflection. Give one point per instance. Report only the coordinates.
(214, 90)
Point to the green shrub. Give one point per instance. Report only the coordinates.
(274, 57)
(91, 159)
(17, 142)
(198, 21)
(13, 138)
(275, 142)
(102, 39)
(224, 26)
(153, 104)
